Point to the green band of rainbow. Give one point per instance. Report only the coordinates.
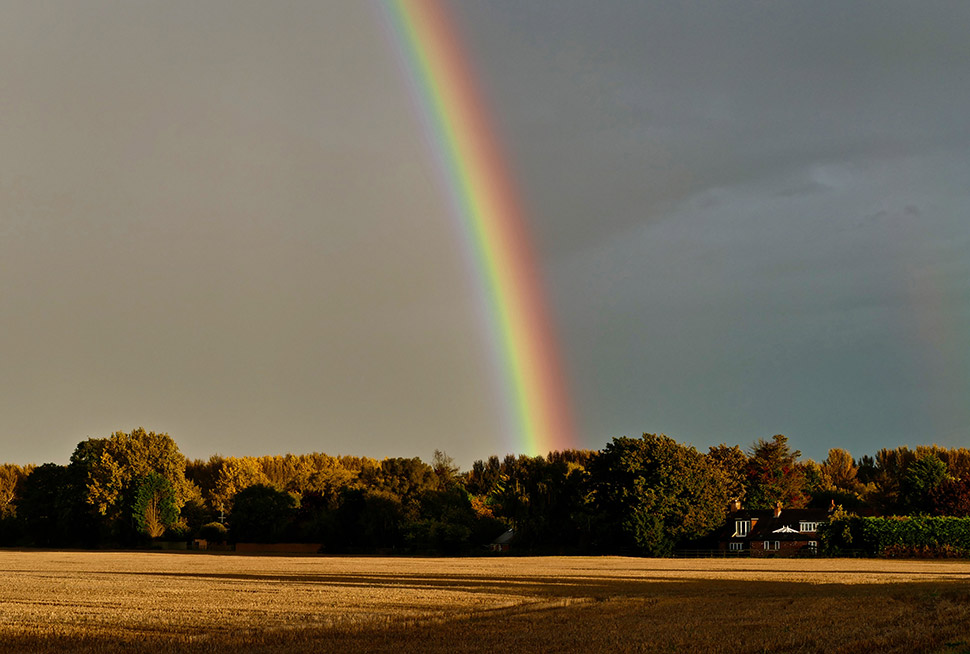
(491, 212)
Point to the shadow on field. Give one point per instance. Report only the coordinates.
(596, 615)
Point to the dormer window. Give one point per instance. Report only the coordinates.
(804, 526)
(741, 527)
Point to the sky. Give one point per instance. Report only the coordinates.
(223, 221)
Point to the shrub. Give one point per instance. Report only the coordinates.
(213, 531)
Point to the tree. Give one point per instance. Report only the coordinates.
(52, 510)
(546, 502)
(261, 514)
(950, 497)
(652, 493)
(11, 479)
(483, 476)
(732, 462)
(842, 472)
(920, 479)
(406, 478)
(773, 475)
(886, 478)
(154, 507)
(444, 467)
(235, 475)
(110, 470)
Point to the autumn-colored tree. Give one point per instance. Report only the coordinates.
(445, 469)
(732, 463)
(842, 472)
(11, 479)
(773, 475)
(110, 470)
(950, 497)
(234, 475)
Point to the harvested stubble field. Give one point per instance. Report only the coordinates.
(194, 602)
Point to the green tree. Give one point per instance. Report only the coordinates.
(546, 502)
(920, 479)
(370, 519)
(652, 493)
(887, 476)
(483, 476)
(406, 478)
(154, 508)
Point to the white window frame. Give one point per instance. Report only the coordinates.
(741, 527)
(735, 547)
(806, 526)
(769, 543)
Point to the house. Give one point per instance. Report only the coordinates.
(501, 544)
(772, 532)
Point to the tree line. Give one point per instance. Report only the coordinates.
(646, 495)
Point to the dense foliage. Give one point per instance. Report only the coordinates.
(647, 495)
(924, 536)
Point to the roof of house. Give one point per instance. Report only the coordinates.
(787, 526)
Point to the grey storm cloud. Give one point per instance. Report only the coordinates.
(223, 220)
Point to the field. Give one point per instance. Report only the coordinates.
(197, 602)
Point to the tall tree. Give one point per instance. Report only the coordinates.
(842, 472)
(110, 470)
(920, 479)
(154, 508)
(773, 475)
(234, 475)
(652, 493)
(11, 480)
(261, 514)
(732, 462)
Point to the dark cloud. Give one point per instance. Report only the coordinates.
(223, 220)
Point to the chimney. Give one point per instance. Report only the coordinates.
(832, 507)
(734, 505)
(777, 509)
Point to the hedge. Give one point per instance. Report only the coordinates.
(924, 536)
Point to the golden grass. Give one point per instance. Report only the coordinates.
(106, 602)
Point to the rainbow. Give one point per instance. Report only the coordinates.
(491, 218)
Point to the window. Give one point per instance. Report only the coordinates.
(807, 526)
(772, 545)
(741, 527)
(736, 547)
(813, 545)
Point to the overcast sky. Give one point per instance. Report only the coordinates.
(222, 220)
